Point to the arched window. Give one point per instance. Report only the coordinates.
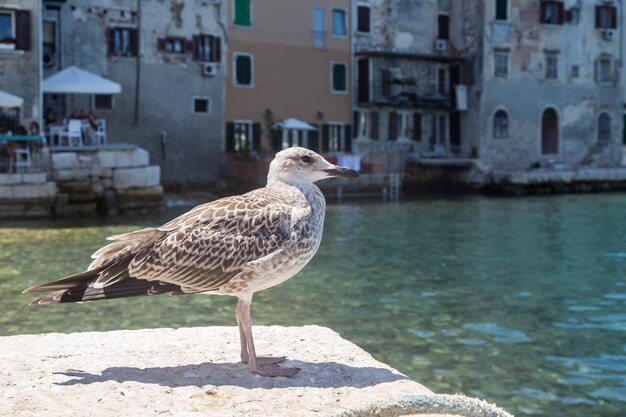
(500, 125)
(549, 132)
(604, 127)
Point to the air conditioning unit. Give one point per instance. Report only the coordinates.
(608, 34)
(441, 45)
(209, 69)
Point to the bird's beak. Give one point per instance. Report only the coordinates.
(344, 172)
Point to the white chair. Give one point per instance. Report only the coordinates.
(100, 135)
(73, 133)
(22, 159)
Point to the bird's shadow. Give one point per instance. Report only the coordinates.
(318, 375)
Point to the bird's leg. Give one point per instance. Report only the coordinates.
(265, 366)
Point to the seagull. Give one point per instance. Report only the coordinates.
(233, 246)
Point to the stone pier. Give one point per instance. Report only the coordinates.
(196, 372)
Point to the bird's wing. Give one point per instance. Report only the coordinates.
(204, 249)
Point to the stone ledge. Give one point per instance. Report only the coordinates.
(196, 371)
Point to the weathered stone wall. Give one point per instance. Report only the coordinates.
(188, 146)
(19, 70)
(576, 94)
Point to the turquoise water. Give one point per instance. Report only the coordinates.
(519, 301)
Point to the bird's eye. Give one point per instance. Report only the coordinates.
(306, 158)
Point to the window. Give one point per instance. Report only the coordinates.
(123, 42)
(442, 81)
(549, 132)
(319, 35)
(604, 69)
(48, 40)
(243, 70)
(604, 127)
(202, 105)
(443, 27)
(15, 29)
(339, 77)
(339, 23)
(417, 126)
(363, 16)
(501, 9)
(336, 137)
(606, 17)
(552, 62)
(500, 125)
(243, 136)
(392, 133)
(207, 48)
(103, 102)
(442, 130)
(243, 12)
(551, 12)
(174, 45)
(501, 64)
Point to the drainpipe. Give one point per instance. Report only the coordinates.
(138, 64)
(40, 66)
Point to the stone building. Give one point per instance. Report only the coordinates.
(290, 60)
(169, 58)
(507, 84)
(19, 60)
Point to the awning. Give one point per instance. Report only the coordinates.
(293, 123)
(73, 80)
(9, 100)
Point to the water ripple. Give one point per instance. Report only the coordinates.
(546, 396)
(500, 334)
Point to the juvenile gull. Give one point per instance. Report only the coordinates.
(233, 246)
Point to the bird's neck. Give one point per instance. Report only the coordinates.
(306, 189)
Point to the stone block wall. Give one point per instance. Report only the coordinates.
(105, 181)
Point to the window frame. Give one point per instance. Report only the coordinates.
(11, 42)
(559, 12)
(215, 48)
(601, 19)
(552, 68)
(94, 102)
(358, 20)
(235, 81)
(132, 46)
(604, 129)
(500, 130)
(340, 126)
(249, 139)
(500, 53)
(441, 33)
(345, 22)
(194, 99)
(250, 14)
(600, 78)
(172, 40)
(332, 77)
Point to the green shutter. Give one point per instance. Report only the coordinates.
(256, 136)
(325, 141)
(339, 77)
(242, 13)
(313, 140)
(348, 138)
(243, 70)
(277, 139)
(230, 137)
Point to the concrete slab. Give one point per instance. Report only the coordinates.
(123, 158)
(141, 177)
(37, 191)
(196, 371)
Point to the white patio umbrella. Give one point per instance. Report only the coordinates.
(291, 128)
(73, 80)
(9, 100)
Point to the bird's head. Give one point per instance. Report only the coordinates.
(301, 165)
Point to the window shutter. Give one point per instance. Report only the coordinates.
(501, 12)
(22, 29)
(134, 42)
(356, 122)
(598, 23)
(216, 49)
(313, 140)
(195, 39)
(417, 126)
(567, 16)
(444, 21)
(393, 126)
(110, 42)
(347, 138)
(613, 11)
(325, 134)
(542, 12)
(188, 45)
(256, 136)
(374, 129)
(277, 139)
(559, 13)
(161, 44)
(230, 137)
(363, 19)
